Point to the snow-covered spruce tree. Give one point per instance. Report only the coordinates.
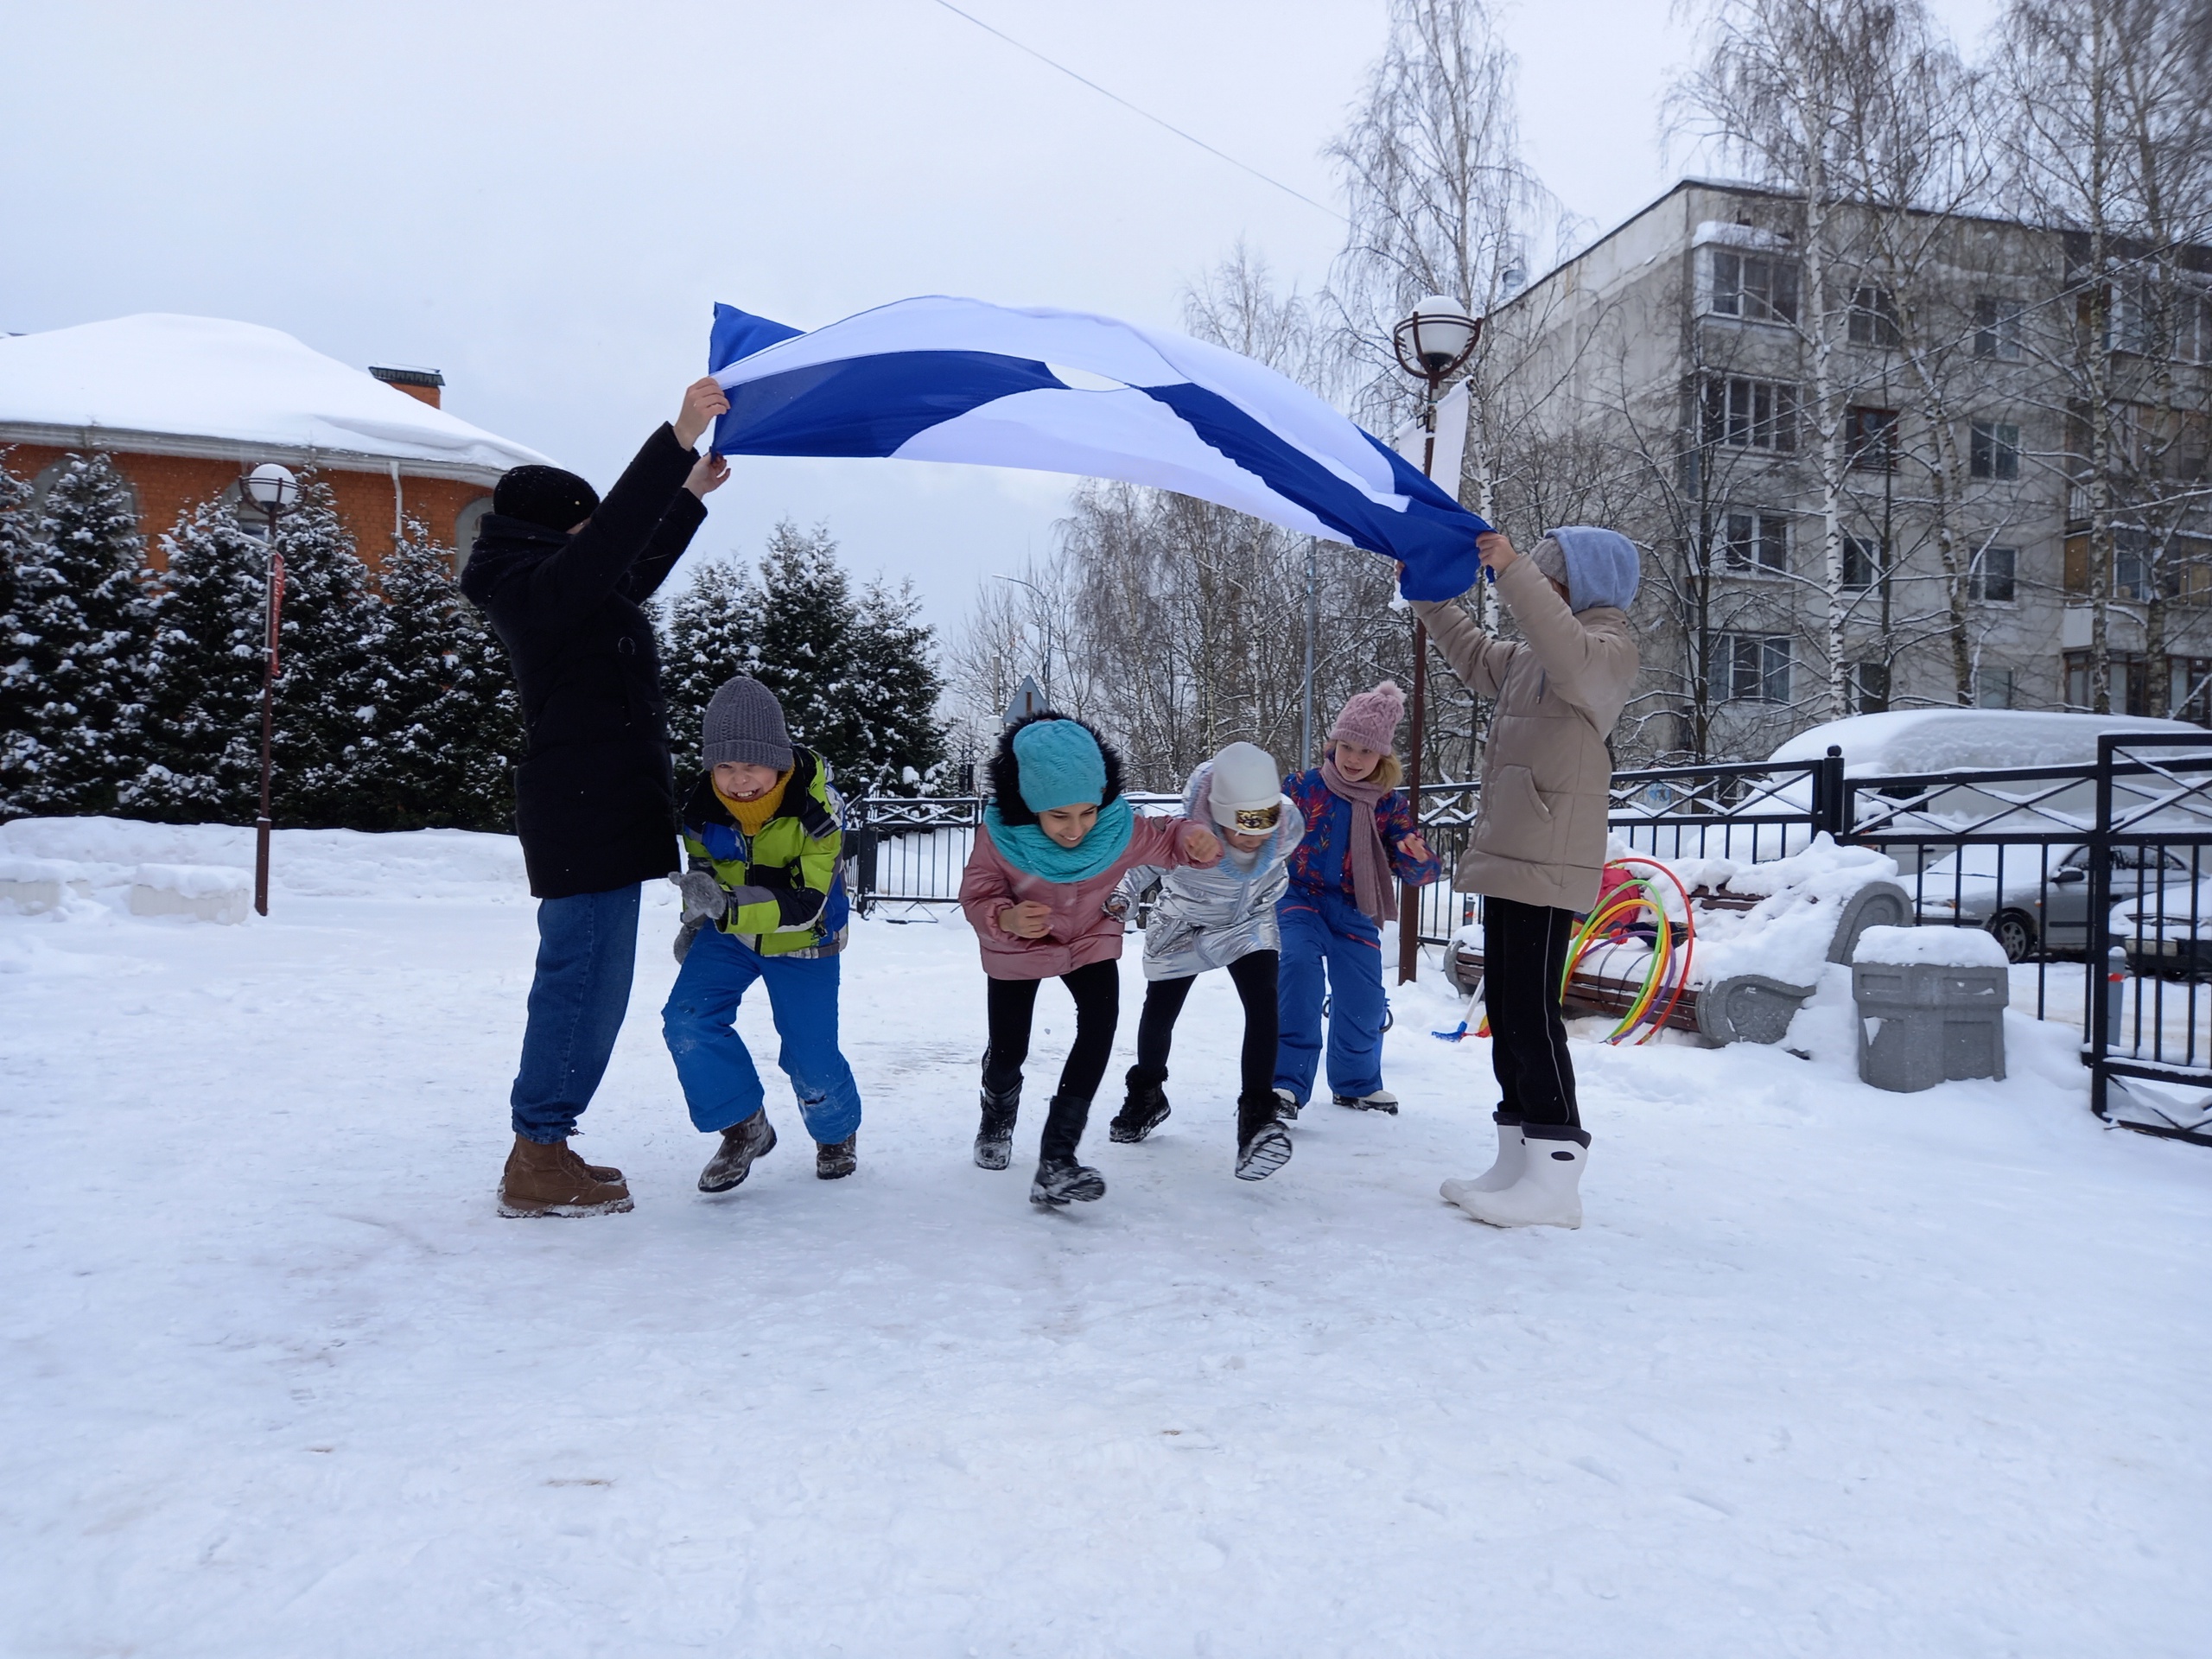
(81, 622)
(330, 686)
(15, 667)
(857, 677)
(203, 670)
(709, 631)
(895, 683)
(448, 727)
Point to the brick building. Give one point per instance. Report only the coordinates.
(185, 406)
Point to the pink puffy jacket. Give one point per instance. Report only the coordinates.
(1082, 932)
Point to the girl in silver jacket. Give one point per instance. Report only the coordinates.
(1222, 917)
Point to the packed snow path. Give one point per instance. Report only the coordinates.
(1828, 1371)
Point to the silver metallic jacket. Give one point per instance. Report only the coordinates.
(1208, 919)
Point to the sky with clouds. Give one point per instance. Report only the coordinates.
(544, 199)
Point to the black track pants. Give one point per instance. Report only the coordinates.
(1254, 975)
(1011, 1003)
(1524, 953)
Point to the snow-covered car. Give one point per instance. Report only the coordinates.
(2169, 933)
(2001, 887)
(1907, 741)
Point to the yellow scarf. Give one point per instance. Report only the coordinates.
(752, 816)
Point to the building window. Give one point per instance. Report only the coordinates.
(2189, 689)
(1754, 286)
(1992, 688)
(1758, 543)
(1996, 328)
(1873, 317)
(1750, 668)
(2193, 328)
(1991, 577)
(465, 524)
(1870, 438)
(1994, 451)
(2129, 687)
(1748, 414)
(1862, 563)
(1870, 687)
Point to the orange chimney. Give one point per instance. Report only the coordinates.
(424, 385)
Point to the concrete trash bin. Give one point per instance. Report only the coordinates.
(1931, 1006)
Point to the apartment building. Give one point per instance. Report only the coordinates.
(1872, 469)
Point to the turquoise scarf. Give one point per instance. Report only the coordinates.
(1028, 847)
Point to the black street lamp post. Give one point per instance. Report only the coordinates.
(1432, 344)
(275, 492)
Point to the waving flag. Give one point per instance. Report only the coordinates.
(1065, 391)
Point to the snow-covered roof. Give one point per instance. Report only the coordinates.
(1907, 741)
(206, 383)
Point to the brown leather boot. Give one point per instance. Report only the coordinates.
(551, 1181)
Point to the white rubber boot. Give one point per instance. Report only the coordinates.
(1548, 1192)
(1504, 1172)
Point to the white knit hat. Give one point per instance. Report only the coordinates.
(1246, 787)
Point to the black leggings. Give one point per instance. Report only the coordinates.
(1524, 953)
(1011, 1003)
(1254, 975)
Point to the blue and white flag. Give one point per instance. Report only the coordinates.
(1065, 391)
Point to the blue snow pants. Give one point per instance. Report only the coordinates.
(720, 1084)
(587, 951)
(1325, 930)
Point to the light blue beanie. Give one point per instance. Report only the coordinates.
(1060, 766)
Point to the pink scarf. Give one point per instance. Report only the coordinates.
(1365, 856)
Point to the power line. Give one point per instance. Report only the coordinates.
(1146, 114)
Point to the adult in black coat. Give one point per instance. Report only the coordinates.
(563, 576)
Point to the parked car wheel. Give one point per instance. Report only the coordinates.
(2016, 933)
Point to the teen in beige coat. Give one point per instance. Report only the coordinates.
(1539, 844)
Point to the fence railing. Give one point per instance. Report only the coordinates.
(2096, 880)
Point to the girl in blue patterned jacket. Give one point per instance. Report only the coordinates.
(1360, 835)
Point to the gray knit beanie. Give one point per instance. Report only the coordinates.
(745, 723)
(1550, 559)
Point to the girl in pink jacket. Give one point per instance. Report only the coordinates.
(1055, 842)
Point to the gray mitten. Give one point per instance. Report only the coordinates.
(685, 934)
(705, 899)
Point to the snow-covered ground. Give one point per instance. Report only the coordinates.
(1828, 1371)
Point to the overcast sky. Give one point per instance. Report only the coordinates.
(544, 199)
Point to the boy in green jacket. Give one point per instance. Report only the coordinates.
(763, 899)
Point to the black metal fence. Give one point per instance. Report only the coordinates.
(2096, 880)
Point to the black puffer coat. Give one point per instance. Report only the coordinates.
(594, 796)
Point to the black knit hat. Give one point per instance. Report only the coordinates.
(544, 496)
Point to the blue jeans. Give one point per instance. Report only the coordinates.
(1326, 930)
(587, 949)
(720, 1084)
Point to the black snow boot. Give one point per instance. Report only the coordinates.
(833, 1161)
(741, 1144)
(1143, 1110)
(1060, 1178)
(995, 1139)
(1262, 1147)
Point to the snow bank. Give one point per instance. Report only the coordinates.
(206, 892)
(323, 863)
(204, 377)
(1943, 947)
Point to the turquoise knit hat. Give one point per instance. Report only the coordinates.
(1060, 766)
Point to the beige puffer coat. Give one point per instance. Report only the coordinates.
(1546, 773)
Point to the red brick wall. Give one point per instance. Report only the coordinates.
(169, 486)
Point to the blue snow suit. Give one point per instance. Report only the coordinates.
(1323, 931)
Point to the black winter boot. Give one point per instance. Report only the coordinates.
(741, 1144)
(1262, 1146)
(1143, 1110)
(834, 1160)
(1060, 1178)
(995, 1139)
